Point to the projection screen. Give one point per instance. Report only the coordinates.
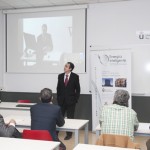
(43, 42)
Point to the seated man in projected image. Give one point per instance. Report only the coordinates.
(44, 44)
(118, 118)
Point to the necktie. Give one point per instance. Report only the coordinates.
(66, 80)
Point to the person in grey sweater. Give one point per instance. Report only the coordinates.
(8, 129)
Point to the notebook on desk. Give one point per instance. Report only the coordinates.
(23, 105)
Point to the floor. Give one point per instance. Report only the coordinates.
(92, 139)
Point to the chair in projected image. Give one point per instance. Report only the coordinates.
(37, 135)
(30, 41)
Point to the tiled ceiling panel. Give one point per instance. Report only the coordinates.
(63, 2)
(16, 4)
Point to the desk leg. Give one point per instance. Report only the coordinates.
(97, 133)
(57, 148)
(86, 140)
(76, 137)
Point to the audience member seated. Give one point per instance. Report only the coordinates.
(45, 115)
(117, 118)
(8, 130)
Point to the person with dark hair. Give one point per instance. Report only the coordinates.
(68, 92)
(45, 115)
(118, 118)
(8, 129)
(121, 98)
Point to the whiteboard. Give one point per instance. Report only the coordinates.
(141, 69)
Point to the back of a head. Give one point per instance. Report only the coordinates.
(46, 95)
(121, 97)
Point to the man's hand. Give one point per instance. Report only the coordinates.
(12, 121)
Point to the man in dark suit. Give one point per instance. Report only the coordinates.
(8, 130)
(45, 115)
(68, 92)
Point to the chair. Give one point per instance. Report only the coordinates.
(24, 101)
(148, 144)
(37, 135)
(117, 141)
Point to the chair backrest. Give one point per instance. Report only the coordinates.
(148, 144)
(117, 141)
(37, 135)
(24, 101)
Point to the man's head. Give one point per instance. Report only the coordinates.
(69, 66)
(123, 82)
(44, 28)
(46, 95)
(121, 97)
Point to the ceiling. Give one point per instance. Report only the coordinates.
(17, 4)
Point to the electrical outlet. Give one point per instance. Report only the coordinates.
(1, 88)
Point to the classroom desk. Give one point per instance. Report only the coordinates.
(7, 108)
(71, 125)
(143, 130)
(12, 105)
(74, 125)
(97, 147)
(26, 144)
(22, 117)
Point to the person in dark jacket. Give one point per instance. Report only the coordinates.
(68, 92)
(45, 115)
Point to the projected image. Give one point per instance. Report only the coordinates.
(107, 82)
(46, 39)
(121, 82)
(42, 42)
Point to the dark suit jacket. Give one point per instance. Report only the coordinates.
(70, 94)
(6, 131)
(45, 116)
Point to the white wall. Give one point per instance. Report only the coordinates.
(30, 82)
(108, 25)
(114, 25)
(1, 53)
(35, 82)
